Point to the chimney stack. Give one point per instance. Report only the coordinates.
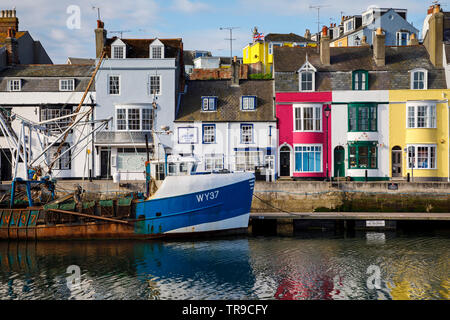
(364, 41)
(100, 38)
(308, 34)
(235, 68)
(8, 20)
(325, 47)
(12, 48)
(433, 40)
(379, 48)
(413, 40)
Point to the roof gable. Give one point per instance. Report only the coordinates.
(118, 42)
(156, 42)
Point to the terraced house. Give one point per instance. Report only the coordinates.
(138, 85)
(40, 93)
(340, 111)
(228, 124)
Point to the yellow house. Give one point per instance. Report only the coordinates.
(419, 134)
(260, 52)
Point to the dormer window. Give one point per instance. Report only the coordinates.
(248, 103)
(402, 38)
(209, 104)
(360, 80)
(66, 84)
(118, 49)
(348, 26)
(157, 50)
(419, 79)
(14, 85)
(307, 77)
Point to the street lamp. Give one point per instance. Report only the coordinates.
(327, 114)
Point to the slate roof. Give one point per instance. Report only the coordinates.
(45, 77)
(228, 101)
(81, 61)
(139, 48)
(394, 75)
(47, 70)
(285, 37)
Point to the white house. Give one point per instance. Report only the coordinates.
(138, 86)
(227, 125)
(44, 92)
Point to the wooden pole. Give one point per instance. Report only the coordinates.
(79, 107)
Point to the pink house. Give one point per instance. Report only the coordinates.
(304, 131)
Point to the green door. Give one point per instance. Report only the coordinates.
(339, 157)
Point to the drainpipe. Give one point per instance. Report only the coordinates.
(448, 142)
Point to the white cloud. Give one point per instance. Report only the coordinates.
(189, 6)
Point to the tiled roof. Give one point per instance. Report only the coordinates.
(139, 48)
(3, 35)
(337, 76)
(285, 37)
(228, 101)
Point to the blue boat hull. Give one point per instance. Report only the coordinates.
(212, 209)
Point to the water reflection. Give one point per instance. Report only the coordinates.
(370, 266)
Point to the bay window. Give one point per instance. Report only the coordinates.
(134, 119)
(308, 158)
(422, 156)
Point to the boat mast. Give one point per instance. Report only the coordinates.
(77, 110)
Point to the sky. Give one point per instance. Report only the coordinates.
(66, 27)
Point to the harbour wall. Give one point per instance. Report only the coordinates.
(305, 196)
(313, 196)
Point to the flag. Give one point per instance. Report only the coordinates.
(258, 36)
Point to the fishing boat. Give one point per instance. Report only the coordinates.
(188, 204)
(183, 206)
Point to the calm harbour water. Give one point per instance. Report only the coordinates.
(270, 267)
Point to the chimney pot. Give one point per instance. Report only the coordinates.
(437, 8)
(325, 47)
